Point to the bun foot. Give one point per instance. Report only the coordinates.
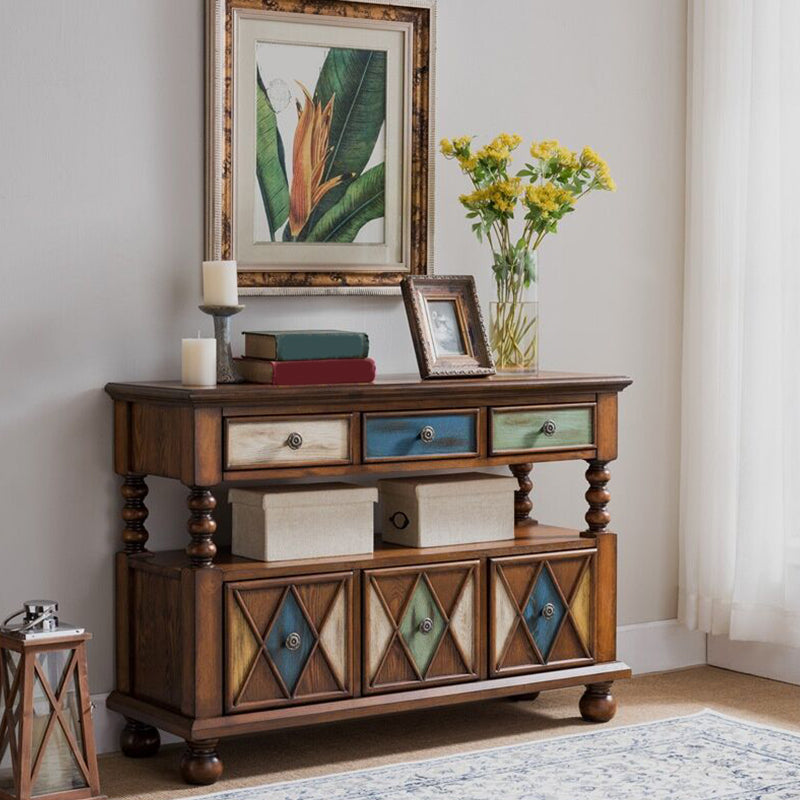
(597, 703)
(138, 740)
(200, 763)
(521, 698)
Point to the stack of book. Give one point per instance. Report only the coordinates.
(297, 358)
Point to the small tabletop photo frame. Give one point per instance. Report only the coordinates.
(447, 326)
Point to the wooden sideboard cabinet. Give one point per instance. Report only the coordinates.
(209, 645)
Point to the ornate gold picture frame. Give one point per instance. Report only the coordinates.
(447, 329)
(320, 143)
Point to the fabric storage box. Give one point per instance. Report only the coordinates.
(276, 523)
(436, 510)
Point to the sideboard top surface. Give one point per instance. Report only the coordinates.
(389, 387)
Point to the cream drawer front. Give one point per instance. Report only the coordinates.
(287, 441)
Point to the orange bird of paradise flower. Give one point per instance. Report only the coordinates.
(311, 151)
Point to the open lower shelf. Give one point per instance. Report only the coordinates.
(530, 539)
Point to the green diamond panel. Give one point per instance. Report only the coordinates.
(544, 628)
(422, 638)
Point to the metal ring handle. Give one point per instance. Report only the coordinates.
(426, 626)
(399, 520)
(295, 441)
(549, 427)
(43, 617)
(548, 610)
(293, 641)
(427, 434)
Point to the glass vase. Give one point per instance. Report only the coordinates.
(514, 317)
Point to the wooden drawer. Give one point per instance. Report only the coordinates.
(421, 626)
(420, 435)
(253, 442)
(521, 429)
(288, 641)
(541, 612)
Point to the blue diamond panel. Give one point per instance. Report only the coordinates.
(544, 628)
(289, 662)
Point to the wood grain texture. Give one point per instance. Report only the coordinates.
(255, 672)
(521, 638)
(156, 637)
(266, 442)
(515, 430)
(425, 630)
(396, 437)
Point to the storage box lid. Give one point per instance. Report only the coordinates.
(303, 495)
(449, 485)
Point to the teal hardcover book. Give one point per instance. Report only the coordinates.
(305, 345)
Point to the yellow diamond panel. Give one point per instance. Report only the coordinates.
(582, 608)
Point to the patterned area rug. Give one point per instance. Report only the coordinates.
(706, 756)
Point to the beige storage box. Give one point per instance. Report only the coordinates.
(437, 510)
(276, 523)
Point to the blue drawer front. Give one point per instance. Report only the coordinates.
(401, 436)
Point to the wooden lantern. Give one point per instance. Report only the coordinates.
(46, 731)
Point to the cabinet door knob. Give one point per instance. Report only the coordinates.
(548, 427)
(548, 610)
(426, 626)
(427, 434)
(293, 641)
(295, 441)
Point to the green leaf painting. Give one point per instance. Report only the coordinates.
(336, 176)
(363, 200)
(270, 162)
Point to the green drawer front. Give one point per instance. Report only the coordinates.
(520, 429)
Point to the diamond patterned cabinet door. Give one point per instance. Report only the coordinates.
(288, 641)
(541, 613)
(421, 626)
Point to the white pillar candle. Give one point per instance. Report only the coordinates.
(219, 283)
(199, 362)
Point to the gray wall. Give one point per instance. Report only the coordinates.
(101, 213)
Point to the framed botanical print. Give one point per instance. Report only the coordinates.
(447, 326)
(320, 143)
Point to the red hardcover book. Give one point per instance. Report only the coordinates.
(306, 373)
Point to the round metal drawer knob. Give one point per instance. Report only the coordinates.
(426, 626)
(293, 641)
(295, 441)
(549, 427)
(548, 610)
(427, 434)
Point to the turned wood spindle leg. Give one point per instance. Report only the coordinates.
(200, 763)
(598, 497)
(138, 740)
(523, 505)
(134, 513)
(597, 703)
(202, 526)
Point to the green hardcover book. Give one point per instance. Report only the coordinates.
(305, 345)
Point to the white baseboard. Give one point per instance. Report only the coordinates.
(660, 646)
(646, 647)
(755, 658)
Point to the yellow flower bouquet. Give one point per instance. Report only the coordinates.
(546, 190)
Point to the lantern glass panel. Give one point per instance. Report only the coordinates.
(55, 764)
(9, 688)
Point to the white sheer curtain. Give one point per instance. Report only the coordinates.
(740, 460)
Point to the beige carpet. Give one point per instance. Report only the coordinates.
(344, 746)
